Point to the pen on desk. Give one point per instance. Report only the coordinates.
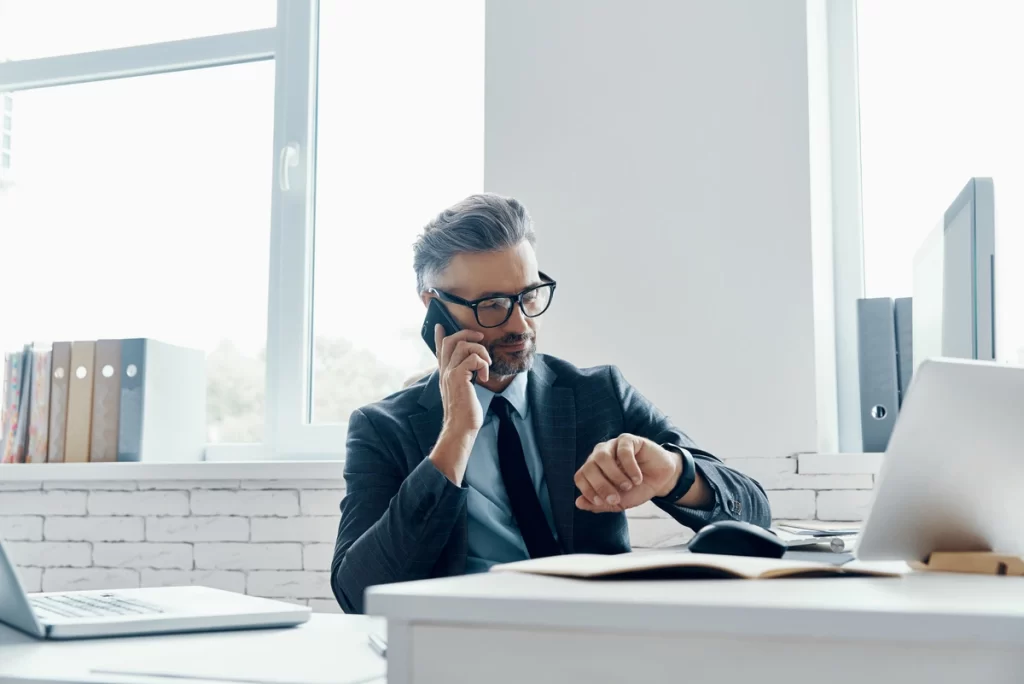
(379, 646)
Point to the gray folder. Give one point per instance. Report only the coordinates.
(904, 310)
(879, 382)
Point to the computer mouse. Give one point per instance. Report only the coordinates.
(735, 538)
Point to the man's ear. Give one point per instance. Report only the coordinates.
(425, 297)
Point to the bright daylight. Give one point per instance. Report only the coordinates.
(503, 341)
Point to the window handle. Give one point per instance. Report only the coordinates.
(287, 160)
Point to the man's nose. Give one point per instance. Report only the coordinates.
(517, 322)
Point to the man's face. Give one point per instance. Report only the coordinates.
(473, 276)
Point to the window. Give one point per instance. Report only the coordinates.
(938, 105)
(7, 122)
(6, 160)
(399, 136)
(44, 28)
(156, 195)
(7, 143)
(173, 186)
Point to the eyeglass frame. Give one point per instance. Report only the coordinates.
(516, 299)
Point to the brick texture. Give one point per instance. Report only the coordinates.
(229, 580)
(93, 528)
(247, 503)
(276, 538)
(21, 528)
(290, 584)
(144, 555)
(320, 528)
(138, 503)
(197, 529)
(251, 556)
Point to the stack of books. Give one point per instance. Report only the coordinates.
(103, 401)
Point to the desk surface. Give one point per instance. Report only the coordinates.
(917, 607)
(329, 649)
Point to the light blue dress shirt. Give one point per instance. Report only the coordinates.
(493, 534)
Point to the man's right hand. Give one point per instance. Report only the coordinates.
(458, 357)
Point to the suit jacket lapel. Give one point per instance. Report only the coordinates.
(427, 425)
(553, 412)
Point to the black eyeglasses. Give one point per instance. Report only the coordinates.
(493, 311)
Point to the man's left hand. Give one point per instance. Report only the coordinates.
(625, 472)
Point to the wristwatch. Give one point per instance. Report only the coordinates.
(686, 478)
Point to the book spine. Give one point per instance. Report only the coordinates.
(61, 369)
(6, 390)
(12, 407)
(21, 436)
(83, 357)
(133, 382)
(106, 399)
(39, 414)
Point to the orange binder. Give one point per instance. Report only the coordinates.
(83, 358)
(61, 370)
(106, 400)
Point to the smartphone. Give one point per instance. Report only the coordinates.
(437, 313)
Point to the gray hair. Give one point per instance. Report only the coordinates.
(479, 223)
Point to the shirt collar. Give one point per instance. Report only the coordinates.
(515, 394)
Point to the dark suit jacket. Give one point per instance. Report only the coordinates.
(401, 519)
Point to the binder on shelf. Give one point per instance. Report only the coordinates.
(13, 386)
(106, 401)
(163, 402)
(879, 383)
(903, 309)
(39, 411)
(60, 362)
(17, 396)
(83, 356)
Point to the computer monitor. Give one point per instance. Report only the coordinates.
(954, 280)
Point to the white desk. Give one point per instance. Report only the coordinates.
(329, 649)
(517, 628)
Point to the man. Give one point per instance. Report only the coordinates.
(502, 454)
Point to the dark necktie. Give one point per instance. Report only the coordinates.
(522, 496)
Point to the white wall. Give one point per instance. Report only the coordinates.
(662, 148)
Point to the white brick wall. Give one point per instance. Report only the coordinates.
(248, 556)
(147, 555)
(95, 528)
(51, 554)
(138, 503)
(21, 528)
(256, 503)
(43, 503)
(276, 538)
(838, 505)
(197, 529)
(78, 579)
(229, 580)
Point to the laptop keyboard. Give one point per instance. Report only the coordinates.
(86, 606)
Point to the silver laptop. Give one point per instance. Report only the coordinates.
(952, 478)
(127, 612)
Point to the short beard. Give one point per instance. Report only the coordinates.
(520, 363)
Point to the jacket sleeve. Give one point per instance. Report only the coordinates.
(393, 527)
(737, 497)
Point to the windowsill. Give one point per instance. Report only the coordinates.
(202, 470)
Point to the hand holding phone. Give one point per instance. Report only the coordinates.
(460, 359)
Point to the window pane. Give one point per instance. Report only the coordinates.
(43, 28)
(940, 104)
(127, 200)
(400, 137)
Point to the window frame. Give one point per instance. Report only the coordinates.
(292, 44)
(847, 216)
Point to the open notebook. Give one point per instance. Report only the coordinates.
(680, 565)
